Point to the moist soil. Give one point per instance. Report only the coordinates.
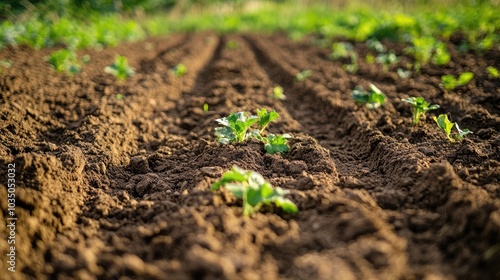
(113, 177)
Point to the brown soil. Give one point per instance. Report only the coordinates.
(112, 188)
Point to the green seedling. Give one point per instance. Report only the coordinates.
(276, 144)
(441, 55)
(278, 93)
(387, 59)
(205, 107)
(446, 126)
(450, 82)
(119, 96)
(405, 74)
(179, 70)
(234, 128)
(64, 61)
(266, 118)
(254, 191)
(120, 68)
(376, 45)
(420, 107)
(493, 72)
(373, 99)
(342, 50)
(303, 75)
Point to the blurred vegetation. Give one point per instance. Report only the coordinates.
(79, 24)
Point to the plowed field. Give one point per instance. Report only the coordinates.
(119, 188)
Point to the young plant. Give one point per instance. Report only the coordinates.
(234, 128)
(405, 74)
(265, 118)
(276, 144)
(179, 70)
(303, 75)
(420, 107)
(387, 59)
(450, 83)
(342, 50)
(278, 93)
(446, 126)
(205, 107)
(120, 68)
(254, 191)
(373, 99)
(64, 61)
(493, 72)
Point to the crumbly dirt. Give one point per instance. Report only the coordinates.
(119, 188)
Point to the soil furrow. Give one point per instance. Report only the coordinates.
(403, 163)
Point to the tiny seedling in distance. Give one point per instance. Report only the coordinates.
(120, 68)
(278, 93)
(254, 191)
(493, 72)
(179, 70)
(373, 99)
(303, 75)
(420, 107)
(450, 82)
(64, 61)
(446, 126)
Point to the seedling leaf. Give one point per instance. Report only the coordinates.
(464, 78)
(254, 190)
(120, 68)
(373, 99)
(445, 125)
(420, 107)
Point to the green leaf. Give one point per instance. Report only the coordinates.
(462, 133)
(276, 144)
(278, 93)
(179, 70)
(444, 123)
(265, 118)
(449, 82)
(120, 68)
(465, 78)
(493, 72)
(420, 107)
(303, 75)
(254, 190)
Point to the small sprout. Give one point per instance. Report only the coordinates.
(405, 74)
(276, 144)
(234, 128)
(461, 133)
(446, 126)
(373, 99)
(232, 44)
(266, 118)
(179, 70)
(450, 83)
(119, 96)
(493, 72)
(64, 60)
(375, 45)
(387, 59)
(120, 68)
(254, 191)
(441, 55)
(342, 50)
(278, 93)
(420, 107)
(205, 107)
(303, 75)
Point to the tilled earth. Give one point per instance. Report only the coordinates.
(119, 188)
